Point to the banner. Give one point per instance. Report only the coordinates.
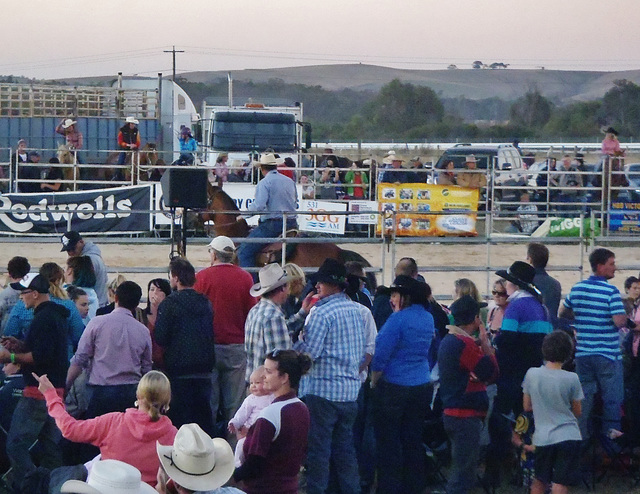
(318, 220)
(418, 200)
(624, 217)
(91, 211)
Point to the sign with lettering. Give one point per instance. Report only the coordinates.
(318, 217)
(116, 210)
(624, 217)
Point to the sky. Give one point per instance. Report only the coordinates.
(77, 38)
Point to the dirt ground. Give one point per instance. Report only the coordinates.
(456, 260)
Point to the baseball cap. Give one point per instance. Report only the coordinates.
(222, 244)
(69, 240)
(465, 309)
(33, 281)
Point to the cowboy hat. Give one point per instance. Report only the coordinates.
(610, 130)
(521, 273)
(132, 120)
(267, 159)
(270, 277)
(68, 123)
(332, 272)
(195, 461)
(110, 477)
(470, 159)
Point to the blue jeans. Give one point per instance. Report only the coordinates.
(331, 443)
(30, 422)
(105, 399)
(191, 402)
(271, 228)
(600, 373)
(399, 415)
(464, 434)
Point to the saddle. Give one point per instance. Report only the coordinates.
(273, 252)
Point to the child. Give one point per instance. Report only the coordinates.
(248, 412)
(555, 397)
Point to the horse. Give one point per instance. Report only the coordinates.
(227, 220)
(66, 157)
(144, 160)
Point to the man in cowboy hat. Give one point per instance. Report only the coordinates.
(128, 138)
(69, 129)
(195, 463)
(525, 323)
(184, 328)
(598, 313)
(472, 178)
(107, 477)
(396, 174)
(266, 328)
(227, 288)
(465, 369)
(275, 194)
(334, 336)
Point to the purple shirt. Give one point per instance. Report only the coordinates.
(116, 348)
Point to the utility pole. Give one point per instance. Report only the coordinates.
(173, 52)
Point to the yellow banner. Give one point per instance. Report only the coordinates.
(412, 204)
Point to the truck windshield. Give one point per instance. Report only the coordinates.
(249, 131)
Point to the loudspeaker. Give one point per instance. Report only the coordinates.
(184, 188)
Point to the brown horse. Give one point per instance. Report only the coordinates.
(227, 220)
(66, 157)
(144, 160)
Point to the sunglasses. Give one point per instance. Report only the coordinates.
(499, 294)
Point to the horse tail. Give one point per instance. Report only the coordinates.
(349, 255)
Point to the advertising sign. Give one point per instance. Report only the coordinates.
(318, 219)
(362, 207)
(116, 210)
(625, 217)
(412, 204)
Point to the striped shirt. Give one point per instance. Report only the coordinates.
(594, 302)
(334, 336)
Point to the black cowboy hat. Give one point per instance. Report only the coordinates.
(332, 272)
(405, 285)
(465, 309)
(611, 130)
(521, 273)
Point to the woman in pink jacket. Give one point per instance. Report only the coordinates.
(130, 436)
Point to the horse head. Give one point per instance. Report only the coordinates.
(222, 210)
(65, 156)
(149, 154)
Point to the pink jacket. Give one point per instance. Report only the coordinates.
(610, 146)
(129, 437)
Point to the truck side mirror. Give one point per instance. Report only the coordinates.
(307, 135)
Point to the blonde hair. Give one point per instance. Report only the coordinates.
(155, 390)
(116, 282)
(465, 286)
(54, 274)
(294, 271)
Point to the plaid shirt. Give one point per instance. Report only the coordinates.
(334, 336)
(264, 330)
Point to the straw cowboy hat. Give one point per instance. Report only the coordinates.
(195, 461)
(68, 123)
(268, 159)
(270, 277)
(110, 477)
(521, 273)
(132, 120)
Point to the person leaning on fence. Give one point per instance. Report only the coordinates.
(128, 138)
(473, 178)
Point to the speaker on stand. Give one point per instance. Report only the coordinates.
(184, 188)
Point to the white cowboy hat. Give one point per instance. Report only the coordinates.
(267, 159)
(132, 120)
(270, 277)
(110, 477)
(68, 123)
(470, 159)
(222, 244)
(195, 461)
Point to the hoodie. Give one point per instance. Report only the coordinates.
(130, 436)
(184, 329)
(47, 341)
(93, 251)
